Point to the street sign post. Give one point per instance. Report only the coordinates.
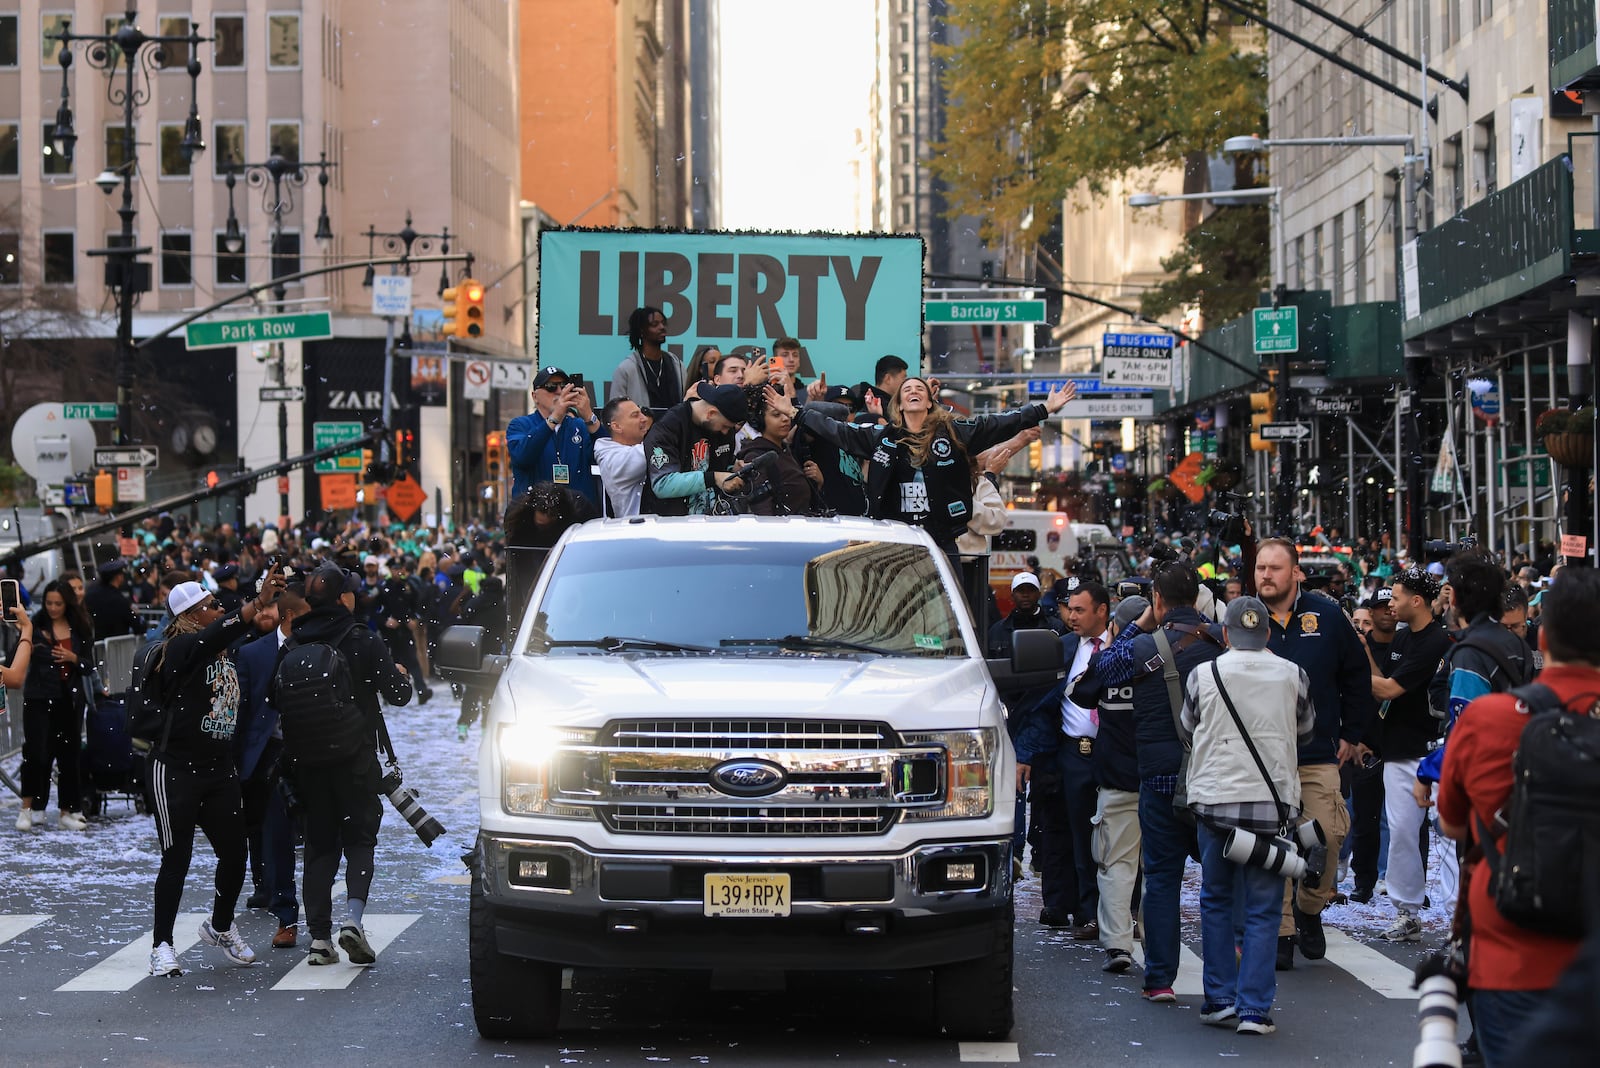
(1285, 431)
(1331, 405)
(324, 435)
(984, 311)
(1276, 330)
(288, 394)
(1041, 387)
(1109, 408)
(1138, 360)
(98, 411)
(221, 333)
(134, 456)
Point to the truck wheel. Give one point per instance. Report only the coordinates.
(511, 997)
(972, 999)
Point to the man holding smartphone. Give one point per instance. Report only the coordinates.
(555, 442)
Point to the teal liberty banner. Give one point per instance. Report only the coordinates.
(848, 299)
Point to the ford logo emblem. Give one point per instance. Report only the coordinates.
(748, 778)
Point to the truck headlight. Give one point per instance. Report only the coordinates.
(528, 755)
(969, 773)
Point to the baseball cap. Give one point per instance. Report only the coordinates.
(1024, 578)
(1063, 588)
(1380, 598)
(226, 572)
(185, 595)
(729, 400)
(547, 373)
(1247, 624)
(1129, 609)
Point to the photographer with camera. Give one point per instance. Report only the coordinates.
(333, 751)
(1245, 713)
(555, 441)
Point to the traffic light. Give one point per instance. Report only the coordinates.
(1263, 409)
(463, 309)
(105, 490)
(404, 449)
(494, 455)
(1035, 455)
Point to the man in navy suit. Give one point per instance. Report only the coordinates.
(258, 744)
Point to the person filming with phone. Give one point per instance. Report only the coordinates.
(555, 441)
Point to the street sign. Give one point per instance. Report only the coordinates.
(1285, 431)
(289, 394)
(99, 411)
(130, 485)
(1109, 408)
(475, 377)
(1276, 330)
(140, 456)
(984, 311)
(406, 498)
(391, 294)
(1486, 405)
(324, 435)
(517, 377)
(1331, 405)
(1140, 360)
(221, 333)
(1041, 387)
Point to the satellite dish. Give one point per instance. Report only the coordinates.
(51, 447)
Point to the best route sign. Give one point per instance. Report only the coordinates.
(1138, 360)
(222, 333)
(1276, 330)
(1285, 431)
(326, 434)
(984, 311)
(135, 456)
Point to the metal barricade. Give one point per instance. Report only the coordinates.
(114, 659)
(11, 719)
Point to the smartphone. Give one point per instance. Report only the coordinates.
(10, 597)
(576, 380)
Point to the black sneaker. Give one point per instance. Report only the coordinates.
(1285, 953)
(1361, 895)
(1054, 917)
(1313, 943)
(258, 900)
(1117, 961)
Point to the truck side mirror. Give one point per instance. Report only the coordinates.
(460, 658)
(1035, 650)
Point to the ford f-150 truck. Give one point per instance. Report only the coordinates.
(745, 744)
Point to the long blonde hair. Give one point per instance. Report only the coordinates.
(919, 443)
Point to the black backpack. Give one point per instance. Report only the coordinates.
(1551, 822)
(316, 701)
(146, 712)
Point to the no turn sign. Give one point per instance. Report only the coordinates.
(476, 378)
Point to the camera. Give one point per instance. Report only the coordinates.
(404, 800)
(1277, 855)
(1228, 521)
(1313, 848)
(1440, 981)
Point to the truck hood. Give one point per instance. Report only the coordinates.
(588, 690)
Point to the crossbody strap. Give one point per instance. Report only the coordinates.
(1283, 810)
(1169, 672)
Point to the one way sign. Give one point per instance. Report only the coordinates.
(137, 456)
(1285, 431)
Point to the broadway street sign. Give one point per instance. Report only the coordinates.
(221, 333)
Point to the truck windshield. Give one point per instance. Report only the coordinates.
(844, 598)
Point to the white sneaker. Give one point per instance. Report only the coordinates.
(163, 961)
(25, 820)
(1405, 928)
(232, 945)
(72, 821)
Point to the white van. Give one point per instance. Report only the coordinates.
(1046, 535)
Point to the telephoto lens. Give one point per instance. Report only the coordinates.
(1437, 1009)
(1314, 848)
(1276, 855)
(404, 800)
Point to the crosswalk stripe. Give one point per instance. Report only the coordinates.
(1188, 983)
(11, 926)
(1368, 965)
(381, 929)
(989, 1052)
(131, 963)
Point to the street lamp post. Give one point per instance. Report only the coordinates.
(135, 54)
(277, 179)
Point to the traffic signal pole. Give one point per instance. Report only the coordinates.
(1288, 453)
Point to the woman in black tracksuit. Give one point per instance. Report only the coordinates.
(920, 472)
(53, 702)
(193, 779)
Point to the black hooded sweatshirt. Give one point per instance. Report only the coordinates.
(372, 670)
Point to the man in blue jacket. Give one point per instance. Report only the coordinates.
(1310, 630)
(555, 441)
(1135, 659)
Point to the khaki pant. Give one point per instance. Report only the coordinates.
(1116, 854)
(1319, 799)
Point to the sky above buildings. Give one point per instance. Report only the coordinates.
(796, 88)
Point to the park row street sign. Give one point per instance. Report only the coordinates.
(98, 411)
(984, 311)
(220, 333)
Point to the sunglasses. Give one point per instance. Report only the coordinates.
(556, 387)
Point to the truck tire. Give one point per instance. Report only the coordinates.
(972, 999)
(511, 997)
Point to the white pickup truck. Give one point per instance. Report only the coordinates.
(743, 744)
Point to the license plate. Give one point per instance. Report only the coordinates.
(747, 895)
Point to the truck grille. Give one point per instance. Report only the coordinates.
(752, 820)
(760, 735)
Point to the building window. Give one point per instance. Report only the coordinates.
(175, 56)
(227, 51)
(173, 163)
(116, 155)
(60, 258)
(905, 185)
(8, 41)
(230, 265)
(227, 146)
(283, 42)
(283, 139)
(1338, 259)
(1359, 234)
(10, 260)
(49, 25)
(286, 254)
(905, 153)
(54, 162)
(1316, 259)
(1485, 179)
(1455, 183)
(905, 215)
(903, 124)
(1299, 263)
(8, 150)
(177, 259)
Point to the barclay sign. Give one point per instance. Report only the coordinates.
(848, 299)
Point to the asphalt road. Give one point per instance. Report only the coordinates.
(75, 917)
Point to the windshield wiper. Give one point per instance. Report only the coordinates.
(617, 645)
(811, 641)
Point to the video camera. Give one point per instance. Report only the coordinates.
(1227, 522)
